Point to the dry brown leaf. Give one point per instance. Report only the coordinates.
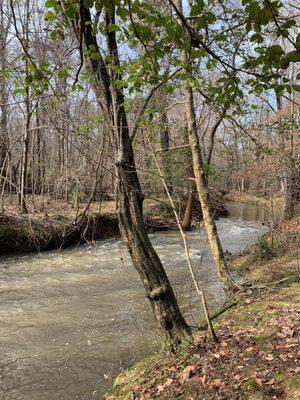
(216, 383)
(269, 357)
(271, 382)
(223, 344)
(281, 335)
(186, 373)
(160, 388)
(168, 382)
(203, 379)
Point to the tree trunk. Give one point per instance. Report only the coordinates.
(165, 145)
(188, 214)
(38, 183)
(25, 146)
(4, 140)
(289, 194)
(287, 174)
(201, 183)
(130, 199)
(145, 260)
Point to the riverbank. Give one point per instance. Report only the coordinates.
(252, 199)
(258, 354)
(54, 223)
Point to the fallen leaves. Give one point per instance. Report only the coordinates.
(203, 380)
(269, 357)
(216, 383)
(257, 354)
(223, 344)
(186, 373)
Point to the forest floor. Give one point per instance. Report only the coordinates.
(258, 356)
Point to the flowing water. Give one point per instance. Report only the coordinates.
(68, 317)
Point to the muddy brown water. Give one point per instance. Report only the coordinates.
(69, 317)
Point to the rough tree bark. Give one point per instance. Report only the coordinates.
(200, 179)
(188, 213)
(287, 169)
(190, 205)
(130, 197)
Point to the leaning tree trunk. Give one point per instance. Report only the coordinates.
(202, 189)
(130, 215)
(145, 260)
(200, 180)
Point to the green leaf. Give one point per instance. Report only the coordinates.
(50, 3)
(43, 64)
(288, 24)
(53, 35)
(197, 8)
(296, 88)
(291, 57)
(19, 91)
(298, 42)
(63, 72)
(113, 28)
(50, 16)
(72, 9)
(92, 47)
(210, 17)
(274, 51)
(88, 3)
(122, 13)
(257, 38)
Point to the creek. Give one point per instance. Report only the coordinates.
(69, 317)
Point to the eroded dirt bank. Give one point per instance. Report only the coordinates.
(53, 223)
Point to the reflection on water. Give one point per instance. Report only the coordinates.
(69, 317)
(248, 212)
